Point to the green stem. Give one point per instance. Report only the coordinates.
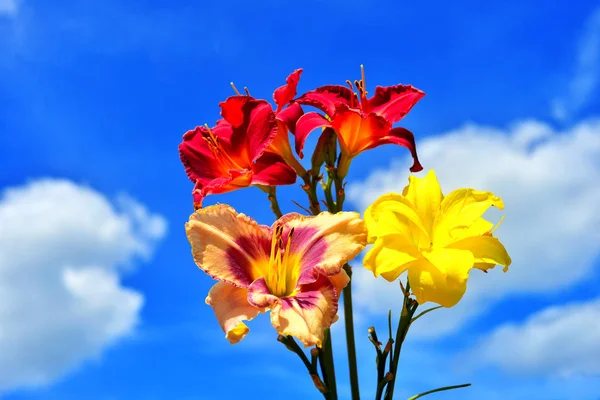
(349, 322)
(408, 310)
(272, 196)
(440, 390)
(291, 345)
(327, 366)
(310, 187)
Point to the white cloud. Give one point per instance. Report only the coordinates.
(63, 248)
(586, 75)
(560, 341)
(549, 183)
(8, 7)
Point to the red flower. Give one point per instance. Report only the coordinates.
(360, 125)
(236, 152)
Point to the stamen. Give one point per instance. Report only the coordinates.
(235, 89)
(246, 90)
(497, 225)
(363, 81)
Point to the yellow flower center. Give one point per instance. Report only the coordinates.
(283, 267)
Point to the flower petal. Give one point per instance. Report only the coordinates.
(356, 132)
(395, 214)
(226, 245)
(340, 281)
(390, 255)
(305, 125)
(325, 98)
(324, 242)
(270, 169)
(284, 94)
(442, 277)
(394, 102)
(308, 313)
(236, 179)
(426, 196)
(459, 211)
(401, 137)
(290, 116)
(231, 307)
(197, 158)
(485, 249)
(253, 121)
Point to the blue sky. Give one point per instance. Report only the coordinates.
(94, 99)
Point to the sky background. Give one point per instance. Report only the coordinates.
(99, 296)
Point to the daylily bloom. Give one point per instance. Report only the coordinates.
(236, 152)
(293, 268)
(360, 125)
(437, 239)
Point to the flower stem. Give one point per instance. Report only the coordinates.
(291, 345)
(349, 322)
(327, 366)
(439, 390)
(272, 196)
(409, 307)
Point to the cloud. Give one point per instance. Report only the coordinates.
(549, 183)
(586, 75)
(8, 7)
(560, 341)
(63, 248)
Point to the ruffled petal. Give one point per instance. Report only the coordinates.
(324, 243)
(426, 196)
(305, 125)
(459, 211)
(339, 281)
(394, 102)
(442, 277)
(236, 179)
(401, 137)
(395, 214)
(226, 245)
(325, 98)
(390, 256)
(270, 169)
(486, 250)
(284, 94)
(306, 314)
(253, 121)
(231, 307)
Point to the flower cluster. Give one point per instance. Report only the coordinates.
(297, 268)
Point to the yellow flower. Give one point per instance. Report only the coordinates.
(437, 239)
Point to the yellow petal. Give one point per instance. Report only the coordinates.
(395, 214)
(441, 277)
(426, 196)
(390, 256)
(460, 212)
(226, 245)
(231, 307)
(485, 250)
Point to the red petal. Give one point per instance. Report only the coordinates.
(284, 94)
(305, 125)
(271, 170)
(402, 137)
(325, 98)
(394, 102)
(253, 121)
(290, 115)
(197, 158)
